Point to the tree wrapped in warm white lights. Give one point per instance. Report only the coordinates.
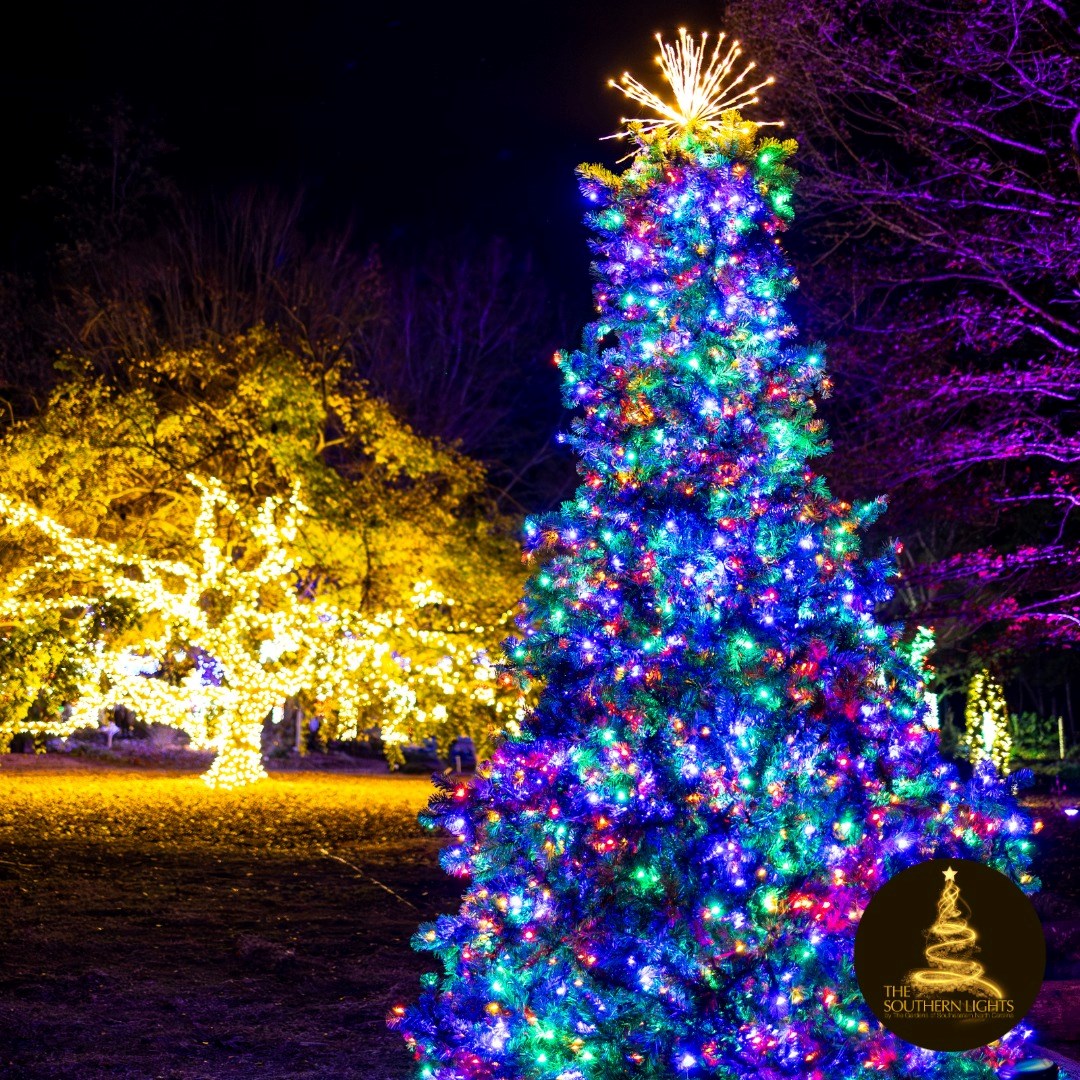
(211, 647)
(987, 723)
(415, 674)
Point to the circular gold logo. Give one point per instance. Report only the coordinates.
(950, 954)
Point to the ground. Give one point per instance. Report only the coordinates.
(152, 928)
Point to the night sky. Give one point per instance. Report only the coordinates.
(406, 121)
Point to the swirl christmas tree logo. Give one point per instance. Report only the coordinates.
(950, 954)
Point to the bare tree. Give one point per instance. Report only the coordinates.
(137, 267)
(940, 144)
(24, 369)
(110, 188)
(464, 353)
(456, 337)
(216, 269)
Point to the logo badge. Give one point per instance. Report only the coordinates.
(950, 954)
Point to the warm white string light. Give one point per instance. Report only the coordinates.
(986, 717)
(705, 87)
(240, 639)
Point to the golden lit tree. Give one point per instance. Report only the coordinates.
(108, 456)
(394, 524)
(211, 645)
(987, 723)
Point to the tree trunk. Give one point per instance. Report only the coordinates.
(239, 754)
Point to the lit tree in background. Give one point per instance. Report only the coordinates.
(728, 756)
(109, 458)
(986, 724)
(212, 647)
(400, 534)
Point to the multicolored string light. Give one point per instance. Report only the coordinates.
(918, 651)
(728, 755)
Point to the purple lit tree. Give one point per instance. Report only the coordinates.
(727, 756)
(941, 142)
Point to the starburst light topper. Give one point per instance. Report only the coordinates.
(704, 86)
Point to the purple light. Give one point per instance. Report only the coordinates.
(1071, 811)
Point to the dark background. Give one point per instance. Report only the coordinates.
(409, 123)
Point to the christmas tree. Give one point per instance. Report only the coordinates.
(727, 754)
(950, 951)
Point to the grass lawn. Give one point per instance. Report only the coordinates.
(152, 928)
